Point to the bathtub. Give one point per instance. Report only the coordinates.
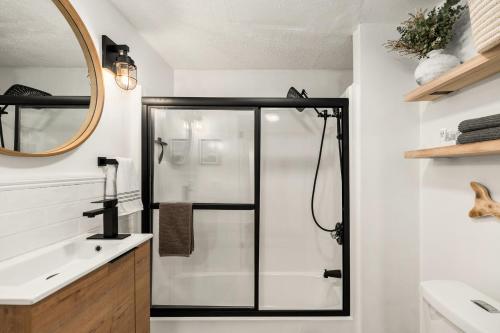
(299, 291)
(278, 290)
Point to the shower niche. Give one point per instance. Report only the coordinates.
(247, 165)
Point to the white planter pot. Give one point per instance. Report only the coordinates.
(436, 64)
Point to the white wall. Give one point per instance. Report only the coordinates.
(101, 18)
(453, 245)
(384, 185)
(260, 83)
(35, 214)
(118, 133)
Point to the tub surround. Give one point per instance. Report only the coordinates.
(29, 278)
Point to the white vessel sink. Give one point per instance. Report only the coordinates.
(28, 278)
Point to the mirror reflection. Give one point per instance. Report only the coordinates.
(44, 82)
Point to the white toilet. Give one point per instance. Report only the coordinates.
(452, 306)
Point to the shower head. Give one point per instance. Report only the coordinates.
(294, 93)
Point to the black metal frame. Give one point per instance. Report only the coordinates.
(40, 102)
(215, 206)
(45, 101)
(255, 105)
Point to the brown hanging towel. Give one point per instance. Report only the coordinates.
(176, 236)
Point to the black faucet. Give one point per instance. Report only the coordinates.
(334, 273)
(110, 220)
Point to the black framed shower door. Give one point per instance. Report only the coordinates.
(150, 104)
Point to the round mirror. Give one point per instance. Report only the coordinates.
(51, 89)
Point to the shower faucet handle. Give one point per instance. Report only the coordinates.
(334, 273)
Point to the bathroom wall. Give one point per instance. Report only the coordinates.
(260, 83)
(454, 246)
(118, 133)
(37, 213)
(384, 186)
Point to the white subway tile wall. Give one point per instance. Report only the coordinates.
(37, 213)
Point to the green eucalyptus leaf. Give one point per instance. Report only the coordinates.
(425, 31)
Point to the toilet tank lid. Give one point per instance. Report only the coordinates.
(453, 299)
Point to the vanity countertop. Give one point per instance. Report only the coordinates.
(28, 278)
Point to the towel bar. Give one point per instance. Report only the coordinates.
(215, 206)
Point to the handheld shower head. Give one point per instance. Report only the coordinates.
(294, 93)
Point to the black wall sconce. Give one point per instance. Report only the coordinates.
(115, 58)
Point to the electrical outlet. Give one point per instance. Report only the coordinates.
(448, 135)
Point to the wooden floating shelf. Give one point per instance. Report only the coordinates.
(470, 149)
(471, 71)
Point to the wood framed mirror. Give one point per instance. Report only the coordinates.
(51, 81)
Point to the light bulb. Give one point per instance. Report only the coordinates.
(125, 75)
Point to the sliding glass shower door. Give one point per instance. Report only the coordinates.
(294, 252)
(248, 171)
(208, 160)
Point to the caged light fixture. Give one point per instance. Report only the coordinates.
(115, 58)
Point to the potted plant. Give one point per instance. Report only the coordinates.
(424, 35)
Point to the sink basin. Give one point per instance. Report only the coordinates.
(31, 277)
(54, 260)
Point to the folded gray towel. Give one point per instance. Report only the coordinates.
(480, 135)
(479, 123)
(176, 237)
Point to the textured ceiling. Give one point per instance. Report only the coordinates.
(34, 33)
(258, 34)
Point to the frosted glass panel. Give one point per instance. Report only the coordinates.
(209, 156)
(293, 251)
(220, 272)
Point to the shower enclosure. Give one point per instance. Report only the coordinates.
(247, 165)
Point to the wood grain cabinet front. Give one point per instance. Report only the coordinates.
(112, 299)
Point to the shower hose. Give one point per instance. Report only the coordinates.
(325, 117)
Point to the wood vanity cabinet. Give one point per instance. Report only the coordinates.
(112, 299)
